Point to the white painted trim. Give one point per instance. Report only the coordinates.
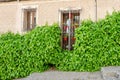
(59, 17)
(67, 9)
(30, 7)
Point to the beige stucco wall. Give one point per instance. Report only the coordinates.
(107, 6)
(8, 18)
(48, 11)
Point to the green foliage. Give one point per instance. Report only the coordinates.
(44, 41)
(97, 45)
(32, 52)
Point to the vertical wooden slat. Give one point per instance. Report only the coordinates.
(69, 28)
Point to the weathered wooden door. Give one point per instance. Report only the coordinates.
(70, 20)
(29, 21)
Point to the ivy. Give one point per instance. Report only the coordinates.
(21, 55)
(97, 44)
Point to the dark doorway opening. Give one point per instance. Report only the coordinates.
(29, 19)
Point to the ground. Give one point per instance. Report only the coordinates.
(106, 73)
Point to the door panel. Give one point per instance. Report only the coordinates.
(70, 21)
(29, 21)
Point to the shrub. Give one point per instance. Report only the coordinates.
(97, 45)
(44, 41)
(20, 55)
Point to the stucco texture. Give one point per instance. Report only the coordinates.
(11, 18)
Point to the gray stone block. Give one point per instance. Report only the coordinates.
(57, 75)
(111, 73)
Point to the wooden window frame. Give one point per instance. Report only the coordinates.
(61, 12)
(28, 7)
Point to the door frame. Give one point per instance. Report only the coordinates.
(22, 14)
(69, 11)
(61, 10)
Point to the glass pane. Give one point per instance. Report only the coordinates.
(74, 23)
